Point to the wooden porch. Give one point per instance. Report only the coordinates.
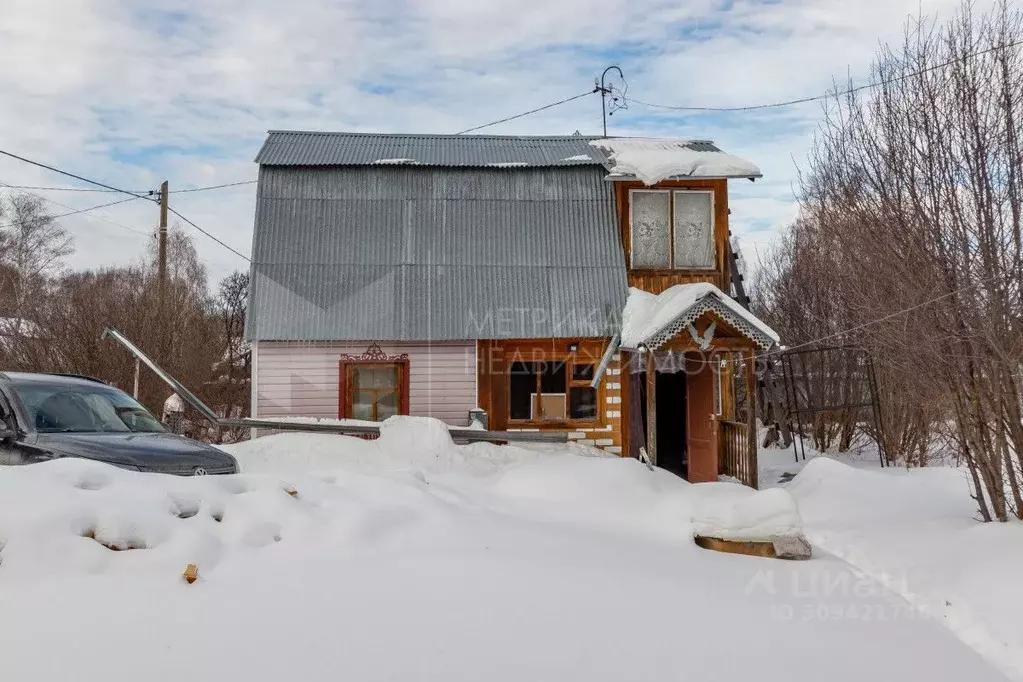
(720, 431)
(718, 344)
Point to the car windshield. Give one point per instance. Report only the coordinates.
(62, 408)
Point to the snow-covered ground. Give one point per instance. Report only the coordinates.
(409, 558)
(916, 532)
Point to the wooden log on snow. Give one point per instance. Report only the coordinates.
(794, 547)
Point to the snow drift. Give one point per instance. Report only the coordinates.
(411, 558)
(915, 532)
(405, 443)
(747, 515)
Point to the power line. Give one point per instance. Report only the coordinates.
(897, 313)
(205, 189)
(148, 192)
(122, 191)
(238, 254)
(58, 189)
(804, 100)
(75, 212)
(527, 113)
(78, 211)
(137, 195)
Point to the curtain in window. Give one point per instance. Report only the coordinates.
(694, 230)
(650, 238)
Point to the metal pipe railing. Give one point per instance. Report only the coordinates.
(340, 428)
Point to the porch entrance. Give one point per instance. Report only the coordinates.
(686, 394)
(691, 356)
(671, 416)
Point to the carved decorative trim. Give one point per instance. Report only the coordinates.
(374, 354)
(708, 304)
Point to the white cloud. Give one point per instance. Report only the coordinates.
(133, 92)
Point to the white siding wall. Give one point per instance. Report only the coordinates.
(300, 379)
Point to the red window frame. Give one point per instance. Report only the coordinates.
(373, 356)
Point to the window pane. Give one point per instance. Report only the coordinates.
(553, 405)
(522, 378)
(362, 405)
(552, 377)
(582, 372)
(582, 402)
(387, 406)
(650, 230)
(694, 232)
(382, 376)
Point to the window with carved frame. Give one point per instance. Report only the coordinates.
(373, 386)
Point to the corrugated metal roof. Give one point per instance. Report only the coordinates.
(299, 148)
(412, 253)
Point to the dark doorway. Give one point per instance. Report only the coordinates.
(671, 423)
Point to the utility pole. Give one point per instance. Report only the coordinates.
(162, 255)
(161, 275)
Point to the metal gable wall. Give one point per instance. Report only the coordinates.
(415, 254)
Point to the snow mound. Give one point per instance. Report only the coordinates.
(427, 437)
(652, 160)
(747, 515)
(842, 494)
(417, 444)
(916, 532)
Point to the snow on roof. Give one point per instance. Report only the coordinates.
(652, 319)
(654, 159)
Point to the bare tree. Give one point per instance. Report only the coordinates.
(34, 247)
(910, 235)
(231, 376)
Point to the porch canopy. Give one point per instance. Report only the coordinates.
(650, 321)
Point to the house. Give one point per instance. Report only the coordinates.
(441, 274)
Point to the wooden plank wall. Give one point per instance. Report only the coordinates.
(492, 378)
(657, 281)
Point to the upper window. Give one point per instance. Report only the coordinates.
(671, 229)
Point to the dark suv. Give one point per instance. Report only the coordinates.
(45, 416)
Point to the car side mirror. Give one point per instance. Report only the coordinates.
(7, 434)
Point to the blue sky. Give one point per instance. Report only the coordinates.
(132, 92)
